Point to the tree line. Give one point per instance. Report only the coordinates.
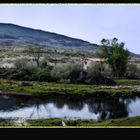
(116, 66)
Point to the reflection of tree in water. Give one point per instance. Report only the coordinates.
(35, 102)
(109, 108)
(72, 103)
(22, 101)
(6, 104)
(94, 105)
(75, 104)
(11, 103)
(59, 102)
(106, 108)
(37, 105)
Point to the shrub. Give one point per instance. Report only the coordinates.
(133, 72)
(42, 74)
(100, 80)
(44, 63)
(99, 73)
(67, 73)
(99, 68)
(20, 63)
(19, 74)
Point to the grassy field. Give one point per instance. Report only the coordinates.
(125, 88)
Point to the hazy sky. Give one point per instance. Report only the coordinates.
(87, 22)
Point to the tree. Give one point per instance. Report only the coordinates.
(37, 54)
(116, 56)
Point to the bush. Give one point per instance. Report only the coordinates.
(97, 69)
(64, 73)
(38, 74)
(67, 73)
(133, 72)
(44, 63)
(74, 73)
(99, 73)
(42, 74)
(101, 80)
(20, 63)
(19, 74)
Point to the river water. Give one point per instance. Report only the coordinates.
(26, 107)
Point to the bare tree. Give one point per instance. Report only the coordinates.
(37, 53)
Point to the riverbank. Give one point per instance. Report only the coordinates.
(58, 123)
(124, 88)
(134, 121)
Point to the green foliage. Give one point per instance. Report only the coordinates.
(44, 64)
(15, 74)
(133, 71)
(74, 73)
(116, 56)
(23, 74)
(68, 72)
(41, 74)
(20, 63)
(99, 74)
(97, 69)
(36, 74)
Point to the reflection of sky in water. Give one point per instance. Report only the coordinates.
(134, 108)
(91, 108)
(50, 111)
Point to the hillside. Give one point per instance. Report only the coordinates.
(14, 35)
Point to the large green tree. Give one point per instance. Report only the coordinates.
(116, 55)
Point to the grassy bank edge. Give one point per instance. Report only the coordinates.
(129, 122)
(52, 89)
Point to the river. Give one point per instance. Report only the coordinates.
(26, 107)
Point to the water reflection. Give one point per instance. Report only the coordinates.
(69, 108)
(108, 108)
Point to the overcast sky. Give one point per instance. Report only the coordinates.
(87, 22)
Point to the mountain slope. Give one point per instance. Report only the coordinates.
(14, 35)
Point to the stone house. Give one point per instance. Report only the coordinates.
(87, 62)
